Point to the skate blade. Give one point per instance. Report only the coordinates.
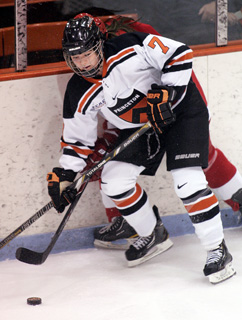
(122, 244)
(157, 250)
(238, 217)
(222, 275)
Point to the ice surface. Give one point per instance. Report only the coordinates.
(95, 284)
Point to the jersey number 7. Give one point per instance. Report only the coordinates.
(154, 41)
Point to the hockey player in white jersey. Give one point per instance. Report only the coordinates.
(129, 80)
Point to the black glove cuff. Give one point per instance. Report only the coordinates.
(65, 175)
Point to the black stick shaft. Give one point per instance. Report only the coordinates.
(26, 224)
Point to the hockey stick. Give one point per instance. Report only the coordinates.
(33, 257)
(26, 224)
(75, 185)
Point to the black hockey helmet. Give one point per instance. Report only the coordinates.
(99, 23)
(81, 34)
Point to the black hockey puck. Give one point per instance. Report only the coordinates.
(34, 301)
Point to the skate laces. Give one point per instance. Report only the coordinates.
(215, 255)
(141, 242)
(113, 225)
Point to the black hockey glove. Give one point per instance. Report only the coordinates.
(58, 182)
(159, 101)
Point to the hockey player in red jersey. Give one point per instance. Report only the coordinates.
(129, 80)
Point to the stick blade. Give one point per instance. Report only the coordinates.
(29, 256)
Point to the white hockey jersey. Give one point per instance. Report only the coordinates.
(132, 63)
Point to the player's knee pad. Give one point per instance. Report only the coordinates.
(188, 181)
(119, 177)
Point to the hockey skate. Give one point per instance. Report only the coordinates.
(218, 266)
(145, 248)
(116, 235)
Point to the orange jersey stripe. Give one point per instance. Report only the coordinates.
(93, 80)
(120, 55)
(202, 205)
(129, 201)
(84, 152)
(88, 95)
(183, 58)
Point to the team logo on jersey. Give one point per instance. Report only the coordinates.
(98, 105)
(132, 108)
